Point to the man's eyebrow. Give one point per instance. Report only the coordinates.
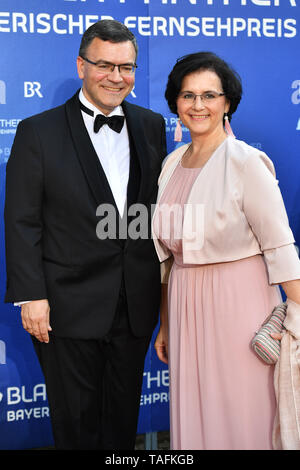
(110, 63)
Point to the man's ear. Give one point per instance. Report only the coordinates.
(80, 67)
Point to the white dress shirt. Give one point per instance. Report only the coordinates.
(113, 152)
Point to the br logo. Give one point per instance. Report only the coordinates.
(2, 92)
(31, 89)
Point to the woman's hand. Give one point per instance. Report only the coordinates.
(161, 345)
(276, 336)
(161, 342)
(292, 290)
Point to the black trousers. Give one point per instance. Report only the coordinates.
(94, 386)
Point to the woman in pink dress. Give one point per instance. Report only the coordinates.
(222, 234)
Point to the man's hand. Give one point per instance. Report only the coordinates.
(35, 319)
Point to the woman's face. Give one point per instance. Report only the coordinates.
(202, 117)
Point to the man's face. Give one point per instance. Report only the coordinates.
(106, 90)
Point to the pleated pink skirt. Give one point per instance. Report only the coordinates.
(221, 393)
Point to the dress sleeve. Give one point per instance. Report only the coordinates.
(283, 264)
(265, 212)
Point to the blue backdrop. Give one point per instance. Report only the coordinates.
(39, 45)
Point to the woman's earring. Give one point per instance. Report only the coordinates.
(178, 132)
(228, 126)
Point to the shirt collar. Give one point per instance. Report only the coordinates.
(117, 110)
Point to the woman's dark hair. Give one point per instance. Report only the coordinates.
(107, 30)
(190, 63)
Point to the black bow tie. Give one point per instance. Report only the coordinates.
(114, 122)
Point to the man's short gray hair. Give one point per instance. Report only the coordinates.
(107, 30)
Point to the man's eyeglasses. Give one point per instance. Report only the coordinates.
(108, 67)
(207, 97)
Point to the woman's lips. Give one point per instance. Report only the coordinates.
(199, 117)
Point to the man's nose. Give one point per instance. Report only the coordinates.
(115, 75)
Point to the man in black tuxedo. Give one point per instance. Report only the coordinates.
(89, 301)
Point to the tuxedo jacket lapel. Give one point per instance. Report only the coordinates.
(86, 154)
(138, 138)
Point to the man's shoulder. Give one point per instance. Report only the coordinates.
(141, 111)
(48, 115)
(53, 115)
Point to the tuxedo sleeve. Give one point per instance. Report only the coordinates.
(23, 217)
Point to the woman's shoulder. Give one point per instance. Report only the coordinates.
(176, 153)
(245, 155)
(240, 148)
(171, 160)
(174, 156)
